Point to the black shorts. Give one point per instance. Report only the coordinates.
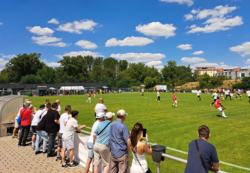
(60, 140)
(239, 94)
(159, 97)
(198, 96)
(33, 130)
(142, 94)
(215, 100)
(248, 96)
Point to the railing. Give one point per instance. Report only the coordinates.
(168, 157)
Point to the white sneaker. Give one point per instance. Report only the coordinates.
(225, 117)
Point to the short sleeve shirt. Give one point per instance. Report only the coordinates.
(100, 108)
(70, 129)
(104, 137)
(92, 131)
(217, 103)
(158, 94)
(37, 117)
(25, 117)
(248, 93)
(51, 126)
(174, 97)
(208, 152)
(63, 118)
(59, 108)
(215, 95)
(89, 94)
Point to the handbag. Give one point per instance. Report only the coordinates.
(20, 118)
(197, 147)
(148, 171)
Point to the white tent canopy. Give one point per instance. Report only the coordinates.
(72, 88)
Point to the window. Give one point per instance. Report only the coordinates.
(229, 73)
(242, 74)
(225, 73)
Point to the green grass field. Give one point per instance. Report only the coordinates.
(176, 127)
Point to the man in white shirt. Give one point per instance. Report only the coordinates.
(68, 139)
(90, 145)
(63, 121)
(158, 96)
(215, 95)
(198, 94)
(142, 92)
(227, 92)
(59, 107)
(100, 107)
(248, 93)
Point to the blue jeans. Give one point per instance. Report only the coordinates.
(43, 135)
(90, 147)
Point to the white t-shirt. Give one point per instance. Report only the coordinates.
(158, 94)
(100, 108)
(93, 130)
(248, 93)
(215, 95)
(142, 90)
(198, 93)
(63, 118)
(59, 108)
(18, 113)
(36, 119)
(70, 129)
(227, 92)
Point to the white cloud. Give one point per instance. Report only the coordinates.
(129, 41)
(185, 46)
(222, 63)
(244, 49)
(49, 41)
(192, 60)
(189, 17)
(77, 26)
(1, 23)
(139, 57)
(154, 63)
(157, 29)
(218, 20)
(40, 31)
(247, 61)
(54, 21)
(51, 64)
(86, 44)
(188, 2)
(3, 62)
(82, 53)
(7, 56)
(198, 52)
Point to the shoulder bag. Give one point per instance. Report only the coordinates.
(20, 118)
(197, 147)
(104, 128)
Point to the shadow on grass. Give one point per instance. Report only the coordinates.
(219, 115)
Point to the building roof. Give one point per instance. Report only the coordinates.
(205, 68)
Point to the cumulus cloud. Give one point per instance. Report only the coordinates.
(185, 46)
(40, 31)
(198, 52)
(86, 44)
(77, 26)
(51, 64)
(129, 41)
(54, 21)
(247, 61)
(154, 63)
(3, 62)
(7, 56)
(188, 2)
(218, 20)
(49, 41)
(243, 49)
(192, 60)
(1, 23)
(82, 53)
(189, 17)
(157, 29)
(139, 57)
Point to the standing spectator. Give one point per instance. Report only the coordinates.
(47, 101)
(101, 141)
(90, 146)
(202, 155)
(36, 119)
(100, 107)
(59, 107)
(68, 139)
(118, 140)
(63, 121)
(40, 131)
(52, 128)
(138, 149)
(25, 114)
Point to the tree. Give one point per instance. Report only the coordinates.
(47, 74)
(22, 65)
(110, 67)
(149, 82)
(31, 79)
(98, 61)
(89, 60)
(123, 65)
(169, 72)
(197, 75)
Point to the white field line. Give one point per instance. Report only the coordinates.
(225, 163)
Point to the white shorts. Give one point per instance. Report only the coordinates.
(221, 95)
(68, 143)
(16, 124)
(220, 109)
(175, 101)
(89, 98)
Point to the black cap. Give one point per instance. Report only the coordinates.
(42, 106)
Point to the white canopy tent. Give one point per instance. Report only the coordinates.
(72, 88)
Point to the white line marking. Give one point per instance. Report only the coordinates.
(225, 163)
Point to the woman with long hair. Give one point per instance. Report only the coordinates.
(138, 149)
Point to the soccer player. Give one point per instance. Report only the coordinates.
(158, 96)
(89, 99)
(198, 94)
(227, 92)
(219, 106)
(215, 95)
(175, 100)
(239, 94)
(142, 92)
(232, 94)
(94, 94)
(248, 93)
(221, 93)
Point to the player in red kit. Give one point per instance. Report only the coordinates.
(94, 93)
(221, 93)
(89, 99)
(175, 100)
(219, 106)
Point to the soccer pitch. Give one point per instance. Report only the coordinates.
(175, 127)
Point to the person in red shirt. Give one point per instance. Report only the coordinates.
(175, 100)
(89, 99)
(219, 106)
(25, 114)
(94, 93)
(221, 93)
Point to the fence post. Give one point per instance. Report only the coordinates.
(158, 168)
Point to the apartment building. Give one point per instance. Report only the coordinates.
(209, 70)
(233, 73)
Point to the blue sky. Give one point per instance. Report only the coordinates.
(196, 32)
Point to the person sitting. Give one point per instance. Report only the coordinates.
(138, 149)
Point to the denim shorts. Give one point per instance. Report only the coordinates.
(90, 147)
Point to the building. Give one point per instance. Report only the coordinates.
(209, 70)
(233, 73)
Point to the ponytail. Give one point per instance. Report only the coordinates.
(134, 133)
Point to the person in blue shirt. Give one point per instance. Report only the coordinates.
(208, 153)
(118, 140)
(101, 141)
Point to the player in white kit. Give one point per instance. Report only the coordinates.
(158, 96)
(227, 92)
(248, 93)
(215, 95)
(198, 94)
(142, 92)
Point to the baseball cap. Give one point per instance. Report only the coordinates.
(110, 114)
(42, 106)
(121, 112)
(100, 115)
(28, 102)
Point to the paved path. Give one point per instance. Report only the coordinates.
(14, 159)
